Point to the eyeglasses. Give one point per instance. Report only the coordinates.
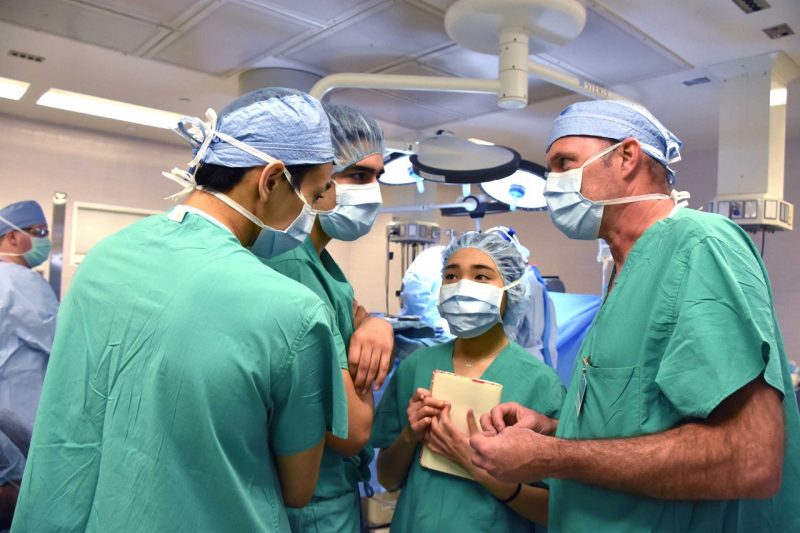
(37, 232)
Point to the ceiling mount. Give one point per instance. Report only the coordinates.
(475, 24)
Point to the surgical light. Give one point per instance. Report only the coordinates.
(524, 189)
(398, 171)
(12, 89)
(446, 158)
(113, 109)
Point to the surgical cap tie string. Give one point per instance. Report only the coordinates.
(208, 132)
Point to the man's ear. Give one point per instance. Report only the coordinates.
(270, 178)
(631, 152)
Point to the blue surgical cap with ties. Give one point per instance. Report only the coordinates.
(21, 215)
(618, 120)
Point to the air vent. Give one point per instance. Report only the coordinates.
(776, 32)
(751, 6)
(696, 81)
(26, 56)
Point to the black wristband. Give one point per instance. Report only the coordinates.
(516, 493)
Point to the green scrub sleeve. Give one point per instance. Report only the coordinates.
(390, 416)
(723, 336)
(309, 394)
(550, 394)
(301, 272)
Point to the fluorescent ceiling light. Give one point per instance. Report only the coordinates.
(12, 89)
(103, 107)
(777, 96)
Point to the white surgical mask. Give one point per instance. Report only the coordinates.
(471, 308)
(577, 216)
(356, 210)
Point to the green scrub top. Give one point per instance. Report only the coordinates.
(181, 366)
(689, 322)
(434, 501)
(335, 505)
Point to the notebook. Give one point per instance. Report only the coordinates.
(463, 393)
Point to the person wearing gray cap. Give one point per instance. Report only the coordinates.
(28, 308)
(190, 386)
(680, 414)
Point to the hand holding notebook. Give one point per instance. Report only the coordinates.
(462, 393)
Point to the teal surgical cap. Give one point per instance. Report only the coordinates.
(355, 135)
(618, 120)
(285, 124)
(22, 215)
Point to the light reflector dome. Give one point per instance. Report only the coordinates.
(398, 171)
(445, 158)
(524, 189)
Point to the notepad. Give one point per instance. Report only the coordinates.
(463, 393)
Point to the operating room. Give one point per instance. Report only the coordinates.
(466, 93)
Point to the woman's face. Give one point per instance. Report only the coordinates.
(474, 265)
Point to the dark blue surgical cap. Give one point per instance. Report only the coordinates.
(22, 215)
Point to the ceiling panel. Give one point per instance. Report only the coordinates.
(612, 53)
(383, 37)
(159, 11)
(387, 107)
(461, 104)
(463, 62)
(713, 31)
(79, 22)
(230, 37)
(323, 12)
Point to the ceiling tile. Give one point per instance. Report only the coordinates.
(323, 12)
(461, 104)
(230, 37)
(388, 107)
(463, 62)
(609, 53)
(82, 23)
(400, 31)
(159, 11)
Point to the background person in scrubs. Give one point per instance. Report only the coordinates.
(28, 308)
(481, 297)
(680, 414)
(190, 386)
(348, 212)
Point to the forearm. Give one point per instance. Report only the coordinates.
(736, 453)
(360, 415)
(531, 502)
(395, 461)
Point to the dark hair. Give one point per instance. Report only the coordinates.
(223, 179)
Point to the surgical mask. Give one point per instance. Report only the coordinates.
(356, 210)
(40, 247)
(471, 308)
(576, 216)
(270, 241)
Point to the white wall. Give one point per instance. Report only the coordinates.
(91, 167)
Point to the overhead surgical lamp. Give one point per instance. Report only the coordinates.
(398, 170)
(524, 189)
(445, 158)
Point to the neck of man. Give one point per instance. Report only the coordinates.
(318, 237)
(240, 226)
(481, 347)
(623, 224)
